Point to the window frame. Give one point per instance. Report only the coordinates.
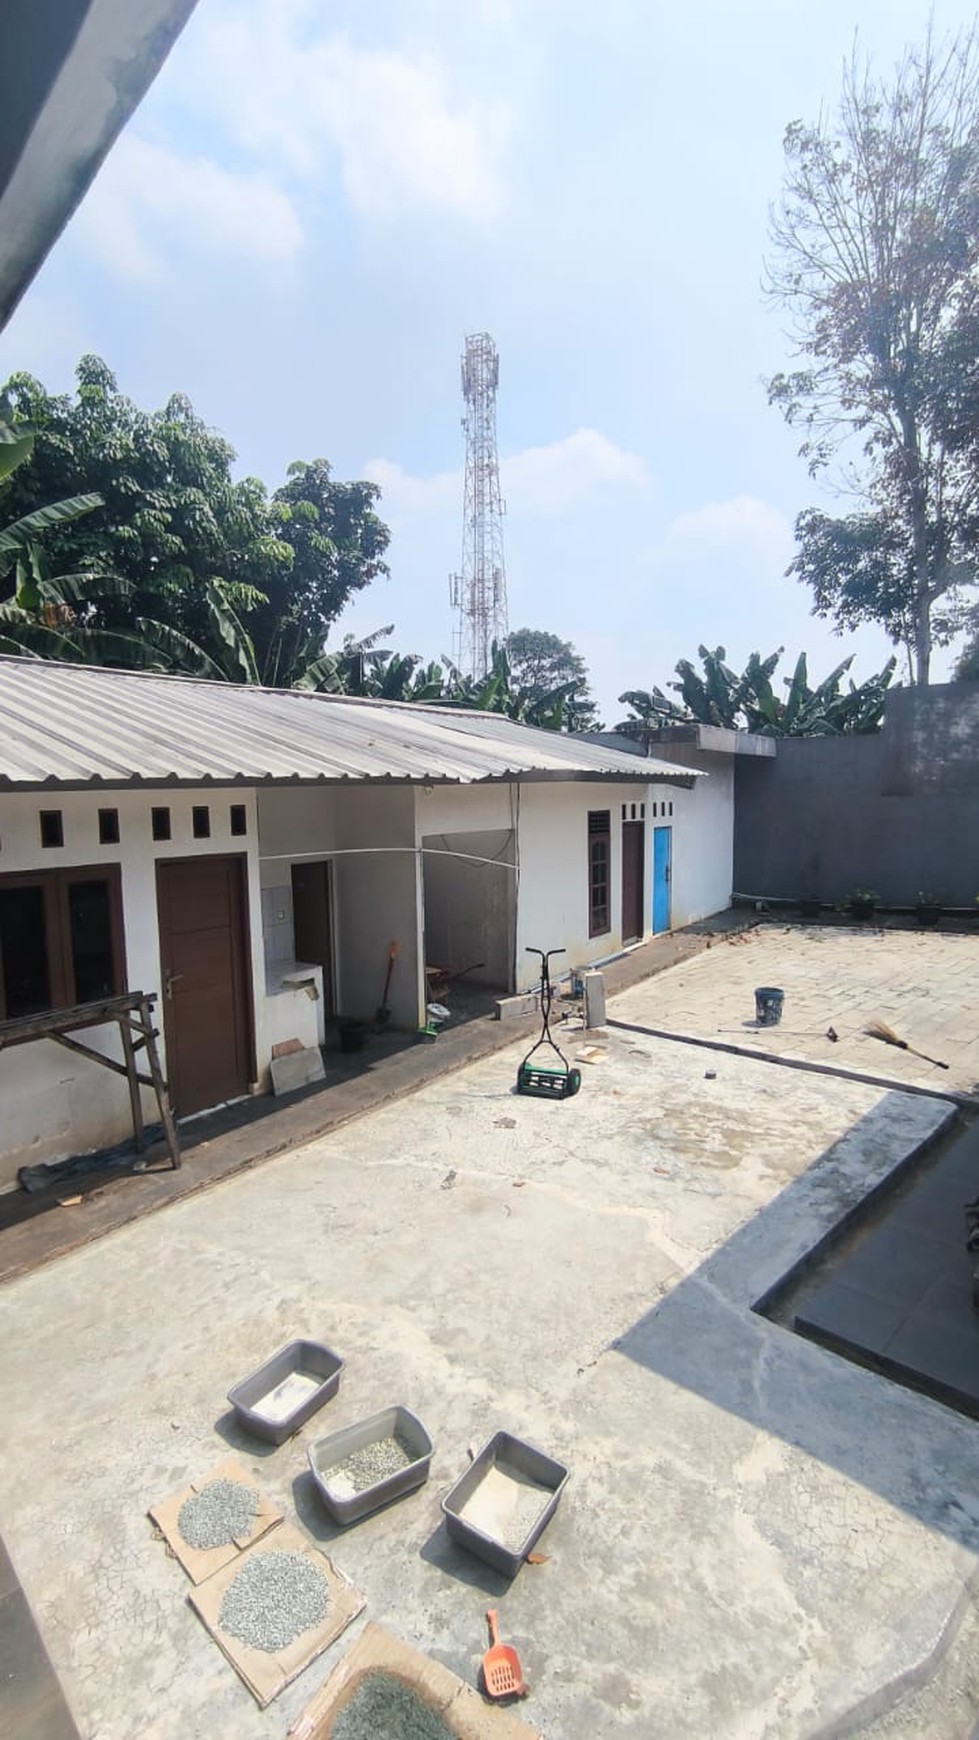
(603, 836)
(54, 885)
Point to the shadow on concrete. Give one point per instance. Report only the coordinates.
(310, 1512)
(238, 1438)
(442, 1552)
(709, 1337)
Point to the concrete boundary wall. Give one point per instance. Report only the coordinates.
(897, 811)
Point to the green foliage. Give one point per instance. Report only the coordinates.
(240, 586)
(748, 702)
(875, 249)
(364, 668)
(336, 543)
(540, 664)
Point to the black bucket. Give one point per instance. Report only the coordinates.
(351, 1035)
(768, 1005)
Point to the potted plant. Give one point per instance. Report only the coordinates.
(928, 906)
(863, 903)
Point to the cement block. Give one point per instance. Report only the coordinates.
(594, 997)
(519, 1008)
(296, 1070)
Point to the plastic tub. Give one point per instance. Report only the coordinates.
(491, 1509)
(326, 1453)
(283, 1393)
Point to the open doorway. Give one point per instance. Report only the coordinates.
(471, 906)
(312, 917)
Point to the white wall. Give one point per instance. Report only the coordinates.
(54, 1104)
(552, 898)
(703, 835)
(297, 823)
(453, 809)
(368, 834)
(378, 901)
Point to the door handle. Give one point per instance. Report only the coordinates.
(169, 980)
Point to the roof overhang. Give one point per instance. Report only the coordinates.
(682, 777)
(71, 74)
(713, 739)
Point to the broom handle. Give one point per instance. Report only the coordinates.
(936, 1061)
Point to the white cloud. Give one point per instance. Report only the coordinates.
(742, 528)
(554, 479)
(401, 493)
(404, 138)
(149, 200)
(540, 481)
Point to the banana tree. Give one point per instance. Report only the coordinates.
(749, 702)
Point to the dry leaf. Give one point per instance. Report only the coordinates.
(537, 1558)
(518, 1183)
(68, 1201)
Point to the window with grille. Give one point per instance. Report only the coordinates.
(599, 872)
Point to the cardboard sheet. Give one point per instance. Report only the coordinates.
(202, 1562)
(465, 1713)
(265, 1673)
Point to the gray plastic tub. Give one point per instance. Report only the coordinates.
(504, 1501)
(283, 1393)
(326, 1453)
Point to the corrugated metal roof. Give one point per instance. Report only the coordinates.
(78, 725)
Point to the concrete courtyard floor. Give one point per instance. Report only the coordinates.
(758, 1540)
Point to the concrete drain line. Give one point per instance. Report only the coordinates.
(966, 1102)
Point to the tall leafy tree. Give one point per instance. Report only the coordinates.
(540, 663)
(875, 246)
(239, 585)
(337, 544)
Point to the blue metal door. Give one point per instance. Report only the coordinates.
(662, 876)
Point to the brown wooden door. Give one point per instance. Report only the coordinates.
(205, 980)
(633, 855)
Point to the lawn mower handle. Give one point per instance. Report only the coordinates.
(545, 954)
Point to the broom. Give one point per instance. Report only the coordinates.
(880, 1030)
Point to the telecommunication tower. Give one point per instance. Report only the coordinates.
(478, 593)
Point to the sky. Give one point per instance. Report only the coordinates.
(319, 199)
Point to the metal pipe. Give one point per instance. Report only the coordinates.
(359, 851)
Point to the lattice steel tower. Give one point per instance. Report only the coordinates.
(478, 593)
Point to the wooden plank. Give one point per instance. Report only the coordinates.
(78, 1015)
(132, 1080)
(96, 1056)
(162, 1092)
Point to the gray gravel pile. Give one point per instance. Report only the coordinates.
(384, 1708)
(365, 1467)
(273, 1600)
(219, 1513)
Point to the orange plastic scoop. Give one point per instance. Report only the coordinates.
(502, 1673)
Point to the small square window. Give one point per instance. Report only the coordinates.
(239, 819)
(52, 828)
(108, 827)
(201, 821)
(160, 822)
